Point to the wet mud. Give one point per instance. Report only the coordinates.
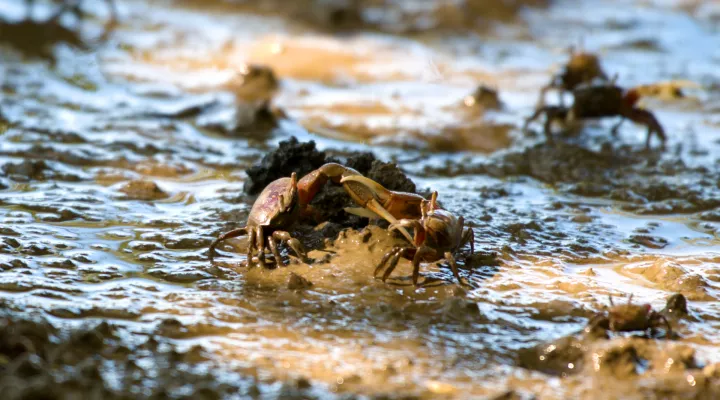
(124, 152)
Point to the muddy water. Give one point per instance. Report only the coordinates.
(117, 174)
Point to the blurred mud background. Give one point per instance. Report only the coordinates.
(123, 154)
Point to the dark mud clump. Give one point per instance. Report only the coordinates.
(37, 39)
(39, 361)
(561, 163)
(484, 98)
(645, 181)
(26, 170)
(302, 158)
(290, 156)
(386, 174)
(297, 282)
(562, 357)
(676, 307)
(143, 190)
(36, 170)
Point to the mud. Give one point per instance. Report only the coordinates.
(125, 152)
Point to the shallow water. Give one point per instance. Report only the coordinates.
(569, 227)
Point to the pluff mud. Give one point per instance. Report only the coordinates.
(126, 151)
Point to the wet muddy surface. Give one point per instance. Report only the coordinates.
(124, 153)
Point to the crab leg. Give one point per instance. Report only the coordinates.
(646, 118)
(251, 246)
(260, 245)
(227, 235)
(469, 237)
(385, 259)
(403, 252)
(421, 253)
(669, 332)
(292, 242)
(410, 223)
(453, 266)
(272, 243)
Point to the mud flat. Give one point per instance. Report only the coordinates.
(124, 153)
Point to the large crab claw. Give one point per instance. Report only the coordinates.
(377, 201)
(311, 183)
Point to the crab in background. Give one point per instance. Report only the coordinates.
(582, 68)
(630, 317)
(284, 201)
(601, 101)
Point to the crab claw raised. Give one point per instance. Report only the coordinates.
(382, 202)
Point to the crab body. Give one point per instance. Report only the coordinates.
(269, 210)
(439, 234)
(582, 68)
(255, 85)
(629, 318)
(276, 208)
(598, 101)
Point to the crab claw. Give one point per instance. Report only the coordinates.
(385, 203)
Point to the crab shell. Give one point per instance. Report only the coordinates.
(277, 206)
(596, 101)
(582, 67)
(630, 317)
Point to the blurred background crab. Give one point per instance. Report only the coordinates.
(581, 68)
(630, 317)
(601, 100)
(439, 234)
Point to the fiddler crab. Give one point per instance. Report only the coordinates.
(582, 68)
(438, 233)
(600, 101)
(630, 317)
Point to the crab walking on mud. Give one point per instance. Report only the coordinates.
(438, 233)
(284, 201)
(630, 317)
(599, 101)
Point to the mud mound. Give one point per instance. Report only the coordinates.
(290, 156)
(304, 157)
(561, 162)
